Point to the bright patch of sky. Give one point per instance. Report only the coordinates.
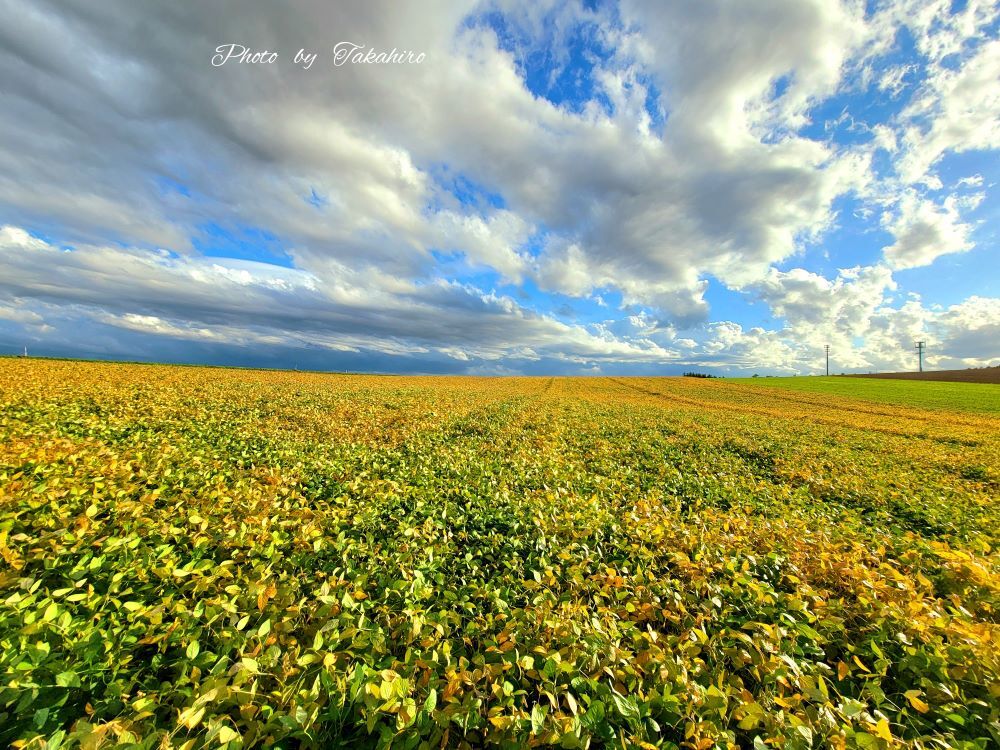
(242, 242)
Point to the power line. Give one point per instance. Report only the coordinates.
(920, 354)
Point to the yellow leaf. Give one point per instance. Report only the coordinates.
(502, 722)
(190, 717)
(267, 593)
(249, 664)
(842, 670)
(227, 735)
(882, 730)
(913, 696)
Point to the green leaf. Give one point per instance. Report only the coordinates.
(808, 631)
(68, 679)
(431, 703)
(594, 715)
(538, 712)
(626, 707)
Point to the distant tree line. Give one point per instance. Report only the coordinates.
(699, 375)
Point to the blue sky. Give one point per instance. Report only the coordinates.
(582, 187)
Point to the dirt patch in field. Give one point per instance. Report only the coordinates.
(977, 375)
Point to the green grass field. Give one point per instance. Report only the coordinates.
(983, 398)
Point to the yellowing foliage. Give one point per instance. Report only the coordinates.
(198, 557)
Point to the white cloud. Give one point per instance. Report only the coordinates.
(924, 231)
(647, 212)
(854, 314)
(955, 111)
(972, 181)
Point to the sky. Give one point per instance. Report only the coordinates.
(640, 187)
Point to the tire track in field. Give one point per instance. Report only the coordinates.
(721, 405)
(881, 410)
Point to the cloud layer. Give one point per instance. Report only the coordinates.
(554, 188)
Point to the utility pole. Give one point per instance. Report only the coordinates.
(920, 354)
(827, 348)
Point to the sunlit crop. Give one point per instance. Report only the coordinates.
(205, 557)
